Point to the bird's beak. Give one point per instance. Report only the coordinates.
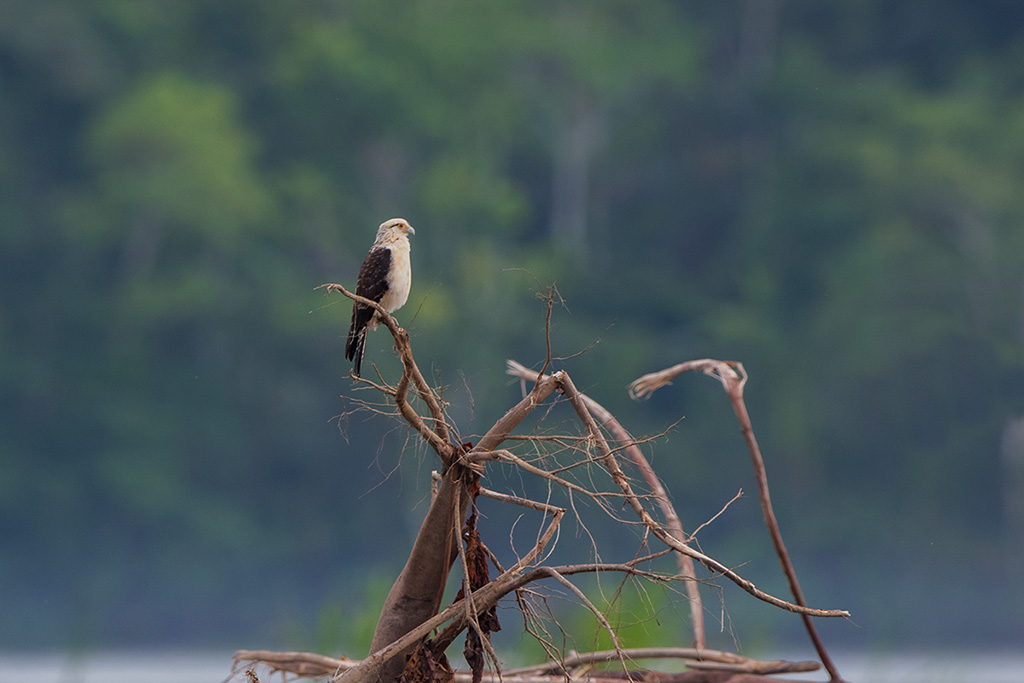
(410, 230)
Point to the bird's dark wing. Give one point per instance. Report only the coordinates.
(373, 274)
(372, 284)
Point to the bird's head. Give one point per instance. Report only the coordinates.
(394, 228)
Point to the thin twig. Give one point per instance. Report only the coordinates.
(516, 500)
(550, 571)
(508, 456)
(739, 494)
(547, 330)
(299, 663)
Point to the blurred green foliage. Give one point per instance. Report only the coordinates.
(827, 192)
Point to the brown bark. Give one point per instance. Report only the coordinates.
(417, 592)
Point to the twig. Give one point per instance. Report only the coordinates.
(550, 571)
(739, 494)
(509, 456)
(547, 330)
(299, 663)
(516, 500)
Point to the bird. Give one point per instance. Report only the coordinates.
(384, 277)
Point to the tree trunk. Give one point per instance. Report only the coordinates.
(417, 592)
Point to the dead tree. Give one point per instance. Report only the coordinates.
(413, 631)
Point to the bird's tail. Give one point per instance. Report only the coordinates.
(354, 349)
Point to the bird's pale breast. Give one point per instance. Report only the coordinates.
(399, 279)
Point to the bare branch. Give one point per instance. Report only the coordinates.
(733, 377)
(299, 663)
(726, 660)
(438, 437)
(651, 382)
(739, 494)
(523, 502)
(497, 433)
(569, 391)
(547, 329)
(672, 521)
(313, 665)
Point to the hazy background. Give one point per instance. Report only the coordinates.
(828, 192)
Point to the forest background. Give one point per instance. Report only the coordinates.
(827, 192)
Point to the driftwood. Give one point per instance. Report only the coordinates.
(414, 631)
(710, 666)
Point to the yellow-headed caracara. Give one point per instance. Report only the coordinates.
(384, 277)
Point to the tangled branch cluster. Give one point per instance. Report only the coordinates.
(413, 631)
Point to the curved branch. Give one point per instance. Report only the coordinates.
(733, 377)
(672, 521)
(568, 389)
(497, 433)
(439, 437)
